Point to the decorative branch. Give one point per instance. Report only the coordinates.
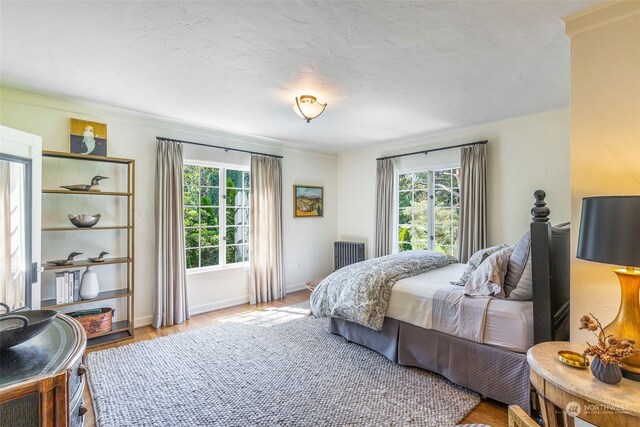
(608, 349)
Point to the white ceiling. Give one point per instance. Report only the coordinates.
(387, 69)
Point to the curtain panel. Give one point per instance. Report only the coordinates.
(171, 305)
(265, 228)
(384, 207)
(12, 248)
(472, 226)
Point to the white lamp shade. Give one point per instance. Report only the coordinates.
(309, 108)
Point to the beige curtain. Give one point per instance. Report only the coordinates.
(171, 305)
(12, 234)
(265, 228)
(472, 226)
(384, 207)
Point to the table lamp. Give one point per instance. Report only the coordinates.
(610, 234)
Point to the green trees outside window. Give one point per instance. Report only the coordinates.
(428, 210)
(216, 215)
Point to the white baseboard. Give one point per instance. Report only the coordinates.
(295, 288)
(202, 308)
(143, 321)
(217, 305)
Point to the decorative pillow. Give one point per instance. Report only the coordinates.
(518, 283)
(487, 280)
(475, 261)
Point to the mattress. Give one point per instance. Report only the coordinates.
(508, 325)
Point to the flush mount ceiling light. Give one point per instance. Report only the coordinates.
(308, 107)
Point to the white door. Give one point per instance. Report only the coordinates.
(20, 217)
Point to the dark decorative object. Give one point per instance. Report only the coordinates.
(540, 212)
(84, 220)
(18, 328)
(99, 258)
(609, 231)
(609, 352)
(94, 186)
(607, 373)
(67, 261)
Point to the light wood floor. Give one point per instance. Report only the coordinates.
(488, 412)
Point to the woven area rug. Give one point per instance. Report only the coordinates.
(272, 367)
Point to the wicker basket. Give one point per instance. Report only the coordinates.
(95, 324)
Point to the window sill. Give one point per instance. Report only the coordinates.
(200, 270)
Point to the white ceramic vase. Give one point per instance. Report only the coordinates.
(89, 287)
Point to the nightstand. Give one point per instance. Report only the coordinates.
(566, 392)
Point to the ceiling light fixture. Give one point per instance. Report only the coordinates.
(308, 107)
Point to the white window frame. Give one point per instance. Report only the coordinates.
(396, 199)
(222, 212)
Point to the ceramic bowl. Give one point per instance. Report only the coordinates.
(84, 220)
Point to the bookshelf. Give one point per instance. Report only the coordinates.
(122, 290)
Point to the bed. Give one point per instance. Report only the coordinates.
(496, 367)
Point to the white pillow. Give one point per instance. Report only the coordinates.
(518, 283)
(488, 279)
(475, 261)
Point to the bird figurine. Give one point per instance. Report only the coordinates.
(67, 261)
(88, 139)
(99, 258)
(94, 186)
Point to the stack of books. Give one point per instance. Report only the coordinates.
(67, 286)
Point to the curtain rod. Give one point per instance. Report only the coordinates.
(433, 149)
(217, 146)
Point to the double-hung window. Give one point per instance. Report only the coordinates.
(428, 207)
(216, 214)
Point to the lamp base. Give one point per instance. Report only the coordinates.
(627, 322)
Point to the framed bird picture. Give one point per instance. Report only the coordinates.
(88, 137)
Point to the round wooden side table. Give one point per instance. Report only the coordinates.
(565, 392)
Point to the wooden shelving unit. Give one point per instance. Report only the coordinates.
(94, 228)
(87, 193)
(87, 263)
(123, 329)
(50, 304)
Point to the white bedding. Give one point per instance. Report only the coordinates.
(508, 325)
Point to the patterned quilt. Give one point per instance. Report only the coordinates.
(361, 292)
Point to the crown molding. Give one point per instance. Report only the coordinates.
(599, 15)
(201, 133)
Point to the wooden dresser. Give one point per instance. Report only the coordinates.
(41, 380)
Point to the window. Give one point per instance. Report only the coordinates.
(216, 215)
(428, 210)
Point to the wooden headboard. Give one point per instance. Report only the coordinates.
(550, 263)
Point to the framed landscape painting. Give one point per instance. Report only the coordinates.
(308, 201)
(88, 137)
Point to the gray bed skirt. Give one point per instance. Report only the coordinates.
(499, 374)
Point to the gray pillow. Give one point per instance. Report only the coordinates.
(518, 284)
(488, 279)
(475, 261)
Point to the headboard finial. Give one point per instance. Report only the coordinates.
(540, 212)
